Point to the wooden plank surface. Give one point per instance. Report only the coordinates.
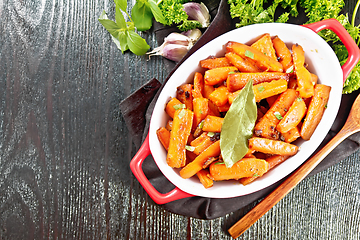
(65, 149)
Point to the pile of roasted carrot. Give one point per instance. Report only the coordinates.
(290, 104)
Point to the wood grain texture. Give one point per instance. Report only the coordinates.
(65, 148)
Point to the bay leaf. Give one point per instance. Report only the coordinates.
(238, 126)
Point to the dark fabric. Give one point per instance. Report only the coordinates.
(209, 208)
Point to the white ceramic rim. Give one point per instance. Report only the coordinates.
(321, 60)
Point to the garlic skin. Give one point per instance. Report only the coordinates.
(198, 12)
(176, 45)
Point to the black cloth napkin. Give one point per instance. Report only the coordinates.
(137, 117)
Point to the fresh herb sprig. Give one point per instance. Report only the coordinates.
(124, 33)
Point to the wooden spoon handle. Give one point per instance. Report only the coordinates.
(284, 188)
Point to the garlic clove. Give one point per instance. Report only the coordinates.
(177, 38)
(198, 12)
(175, 52)
(193, 34)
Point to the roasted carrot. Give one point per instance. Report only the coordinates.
(193, 167)
(291, 135)
(164, 136)
(224, 108)
(205, 142)
(184, 94)
(265, 45)
(212, 124)
(203, 176)
(262, 61)
(283, 53)
(315, 111)
(237, 81)
(201, 110)
(303, 76)
(268, 89)
(246, 167)
(242, 64)
(219, 96)
(215, 62)
(273, 162)
(270, 146)
(293, 116)
(198, 85)
(217, 75)
(172, 105)
(182, 123)
(266, 127)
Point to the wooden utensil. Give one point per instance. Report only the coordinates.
(352, 125)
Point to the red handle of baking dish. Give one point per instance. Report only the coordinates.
(347, 40)
(136, 168)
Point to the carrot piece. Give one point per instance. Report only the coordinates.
(203, 176)
(271, 100)
(265, 45)
(273, 162)
(201, 109)
(242, 64)
(198, 85)
(184, 94)
(262, 61)
(246, 167)
(237, 81)
(314, 78)
(203, 143)
(293, 116)
(217, 75)
(270, 146)
(164, 136)
(212, 124)
(266, 127)
(172, 105)
(219, 96)
(215, 62)
(268, 89)
(182, 123)
(304, 84)
(315, 111)
(224, 108)
(291, 135)
(263, 90)
(193, 167)
(283, 53)
(168, 125)
(208, 89)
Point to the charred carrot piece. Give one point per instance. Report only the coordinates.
(219, 96)
(201, 143)
(212, 124)
(217, 75)
(315, 111)
(269, 89)
(198, 85)
(172, 105)
(237, 81)
(273, 162)
(203, 176)
(182, 124)
(293, 116)
(242, 64)
(246, 167)
(193, 167)
(265, 45)
(266, 127)
(201, 110)
(291, 135)
(184, 94)
(215, 62)
(270, 146)
(283, 53)
(164, 137)
(304, 83)
(265, 63)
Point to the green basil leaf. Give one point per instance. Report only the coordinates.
(121, 41)
(122, 4)
(136, 43)
(238, 126)
(142, 16)
(159, 17)
(108, 24)
(119, 18)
